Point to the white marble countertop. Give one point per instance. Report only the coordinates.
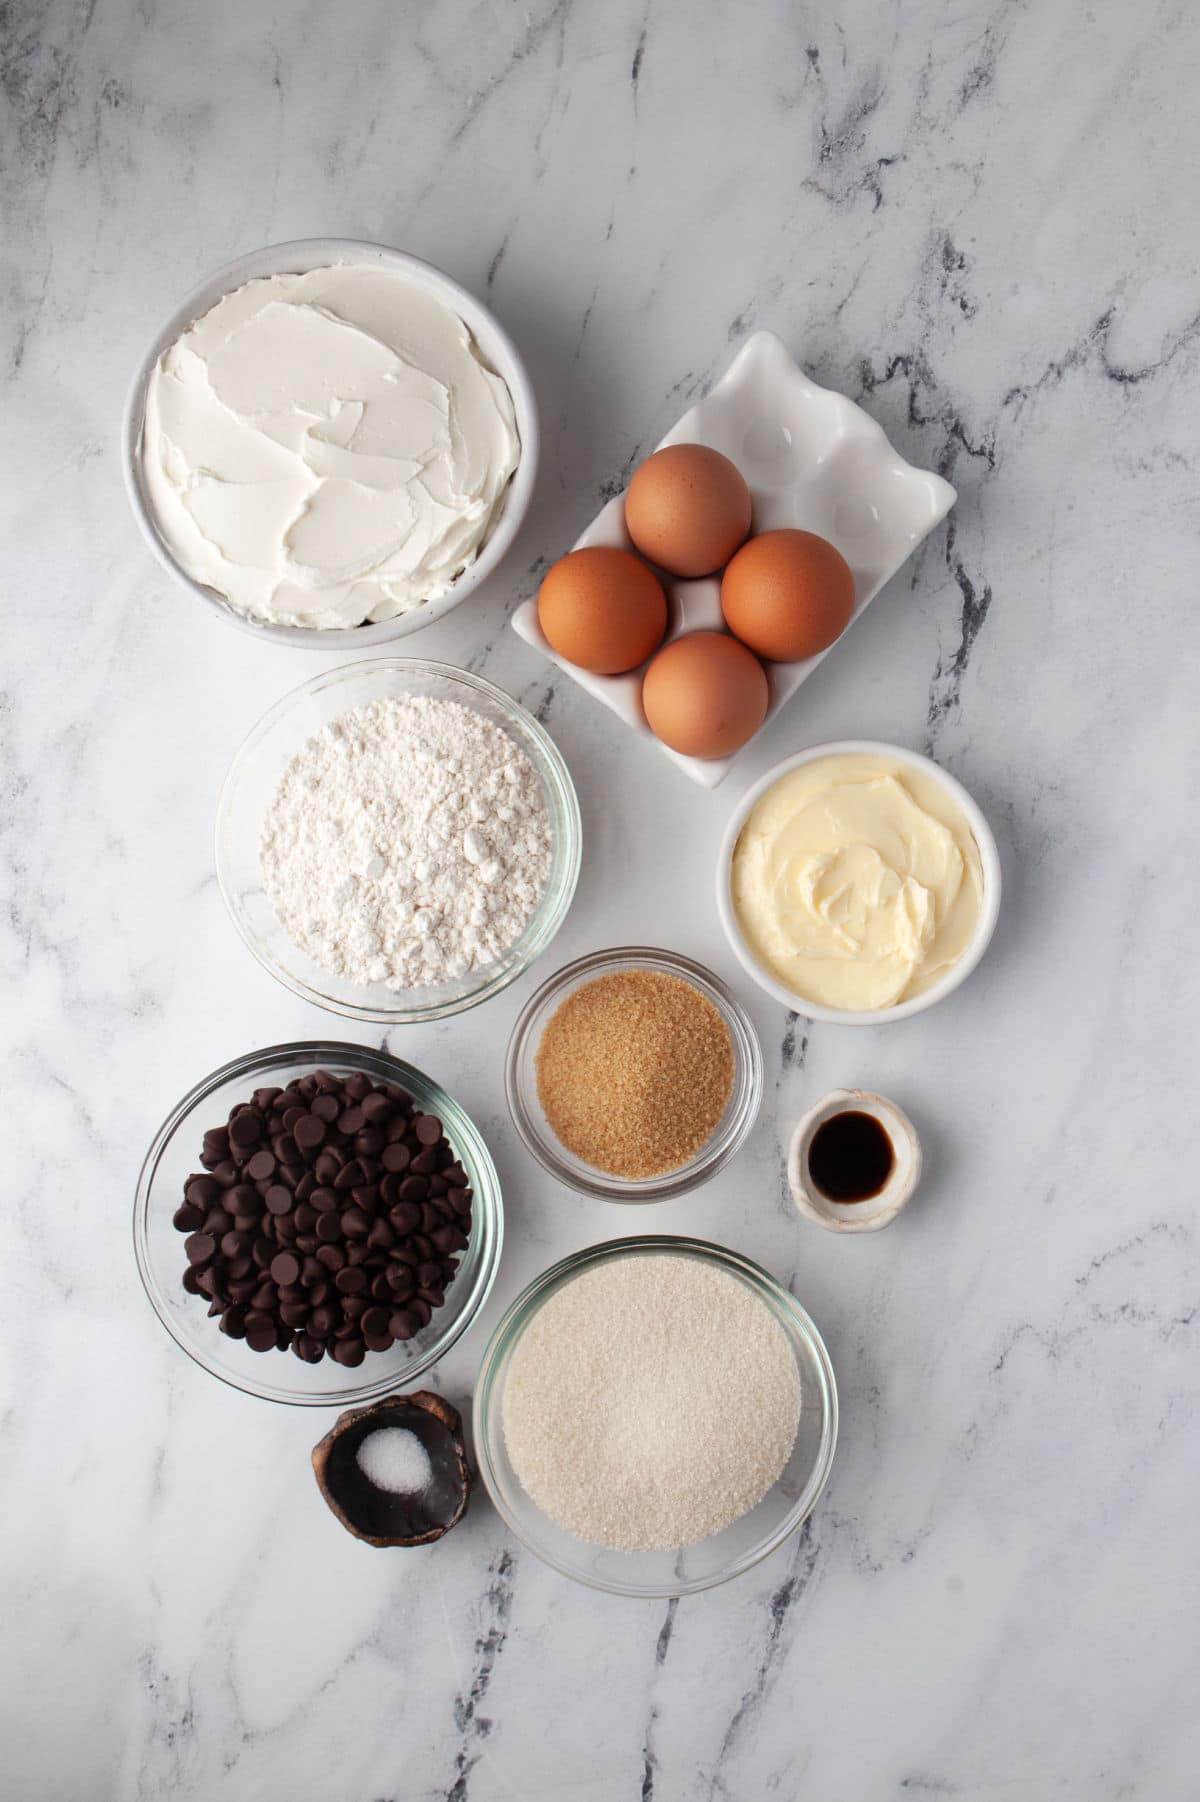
(979, 221)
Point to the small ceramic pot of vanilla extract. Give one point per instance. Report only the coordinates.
(853, 1162)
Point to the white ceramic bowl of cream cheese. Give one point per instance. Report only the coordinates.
(958, 801)
(497, 351)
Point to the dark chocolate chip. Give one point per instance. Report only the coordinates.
(261, 1332)
(309, 1132)
(245, 1129)
(285, 1268)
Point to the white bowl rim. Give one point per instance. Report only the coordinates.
(879, 1210)
(297, 255)
(989, 858)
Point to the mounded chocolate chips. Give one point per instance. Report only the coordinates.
(329, 1217)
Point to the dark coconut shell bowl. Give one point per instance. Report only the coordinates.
(380, 1516)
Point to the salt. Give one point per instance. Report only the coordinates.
(394, 1459)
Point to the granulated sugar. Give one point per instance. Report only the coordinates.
(651, 1402)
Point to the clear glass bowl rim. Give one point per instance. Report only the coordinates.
(259, 1064)
(724, 1144)
(518, 1316)
(556, 901)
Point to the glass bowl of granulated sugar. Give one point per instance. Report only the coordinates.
(397, 840)
(653, 1416)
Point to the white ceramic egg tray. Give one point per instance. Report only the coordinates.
(812, 459)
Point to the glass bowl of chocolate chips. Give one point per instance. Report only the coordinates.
(317, 1223)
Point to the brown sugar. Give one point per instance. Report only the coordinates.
(635, 1070)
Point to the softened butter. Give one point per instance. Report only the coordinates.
(857, 881)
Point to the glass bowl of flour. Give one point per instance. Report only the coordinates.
(653, 1416)
(397, 840)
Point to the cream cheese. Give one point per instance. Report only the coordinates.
(857, 881)
(328, 448)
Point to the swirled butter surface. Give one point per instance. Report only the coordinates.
(857, 881)
(327, 448)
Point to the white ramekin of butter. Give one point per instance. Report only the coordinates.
(330, 443)
(858, 883)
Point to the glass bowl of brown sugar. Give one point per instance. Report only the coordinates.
(634, 1074)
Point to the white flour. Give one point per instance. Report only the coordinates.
(408, 843)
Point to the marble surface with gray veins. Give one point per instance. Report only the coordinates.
(977, 219)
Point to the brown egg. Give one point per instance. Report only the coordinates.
(603, 610)
(788, 595)
(687, 509)
(705, 694)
